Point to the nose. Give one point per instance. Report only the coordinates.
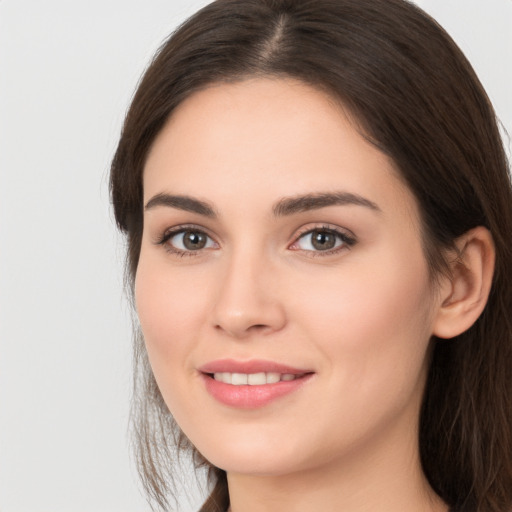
(249, 300)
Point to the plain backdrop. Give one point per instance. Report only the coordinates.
(67, 72)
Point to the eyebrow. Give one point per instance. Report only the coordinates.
(285, 206)
(186, 203)
(304, 203)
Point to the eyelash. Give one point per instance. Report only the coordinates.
(170, 233)
(347, 240)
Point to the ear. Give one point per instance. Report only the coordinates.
(465, 291)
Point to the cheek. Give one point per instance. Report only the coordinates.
(169, 310)
(170, 315)
(372, 326)
(375, 316)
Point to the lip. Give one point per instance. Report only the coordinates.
(251, 366)
(249, 396)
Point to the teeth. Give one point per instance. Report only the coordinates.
(239, 379)
(272, 378)
(253, 379)
(256, 379)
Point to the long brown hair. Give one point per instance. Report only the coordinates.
(417, 99)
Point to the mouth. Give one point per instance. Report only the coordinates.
(252, 384)
(254, 379)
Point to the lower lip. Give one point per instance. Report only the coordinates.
(252, 397)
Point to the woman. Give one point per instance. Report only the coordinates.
(318, 212)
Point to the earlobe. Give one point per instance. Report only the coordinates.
(465, 291)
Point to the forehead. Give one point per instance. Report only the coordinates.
(261, 137)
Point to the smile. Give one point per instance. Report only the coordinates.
(251, 384)
(254, 379)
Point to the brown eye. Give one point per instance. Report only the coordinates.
(323, 240)
(194, 240)
(189, 240)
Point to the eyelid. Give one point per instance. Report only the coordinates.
(169, 233)
(348, 238)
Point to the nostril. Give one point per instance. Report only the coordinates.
(259, 328)
(242, 331)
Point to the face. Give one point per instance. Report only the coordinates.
(282, 288)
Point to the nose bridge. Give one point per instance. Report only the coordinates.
(246, 301)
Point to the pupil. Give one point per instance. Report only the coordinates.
(323, 241)
(193, 240)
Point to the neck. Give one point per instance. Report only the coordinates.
(379, 478)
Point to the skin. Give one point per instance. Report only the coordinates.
(361, 317)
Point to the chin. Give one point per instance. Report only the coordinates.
(255, 465)
(246, 455)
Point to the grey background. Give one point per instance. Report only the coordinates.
(67, 72)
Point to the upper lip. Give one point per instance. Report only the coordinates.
(252, 366)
